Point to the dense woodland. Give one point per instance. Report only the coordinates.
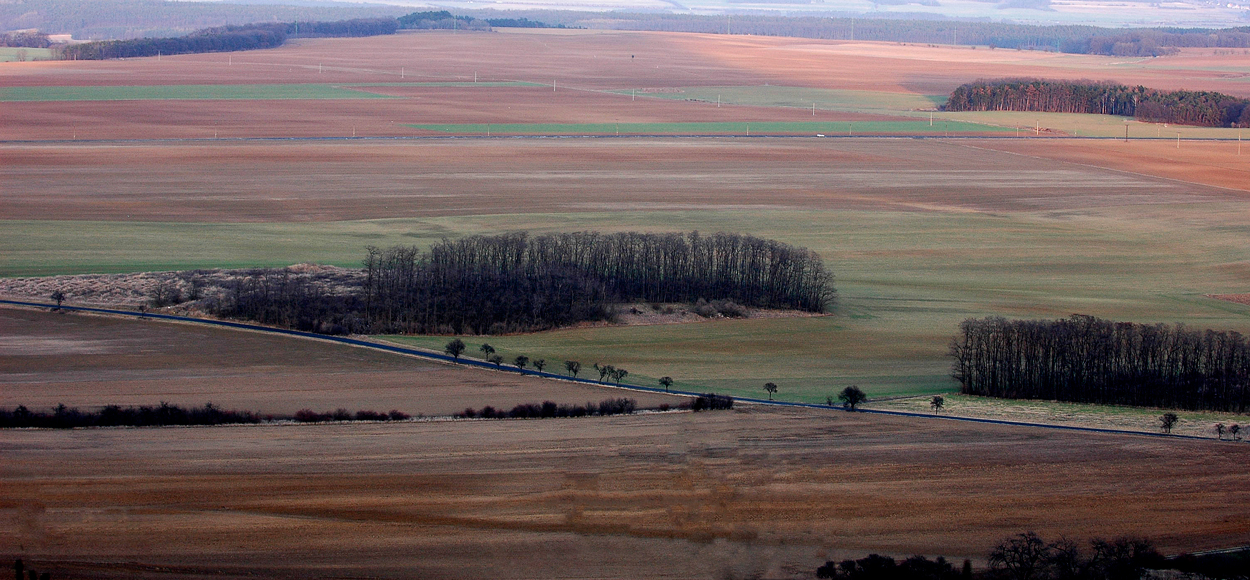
(517, 282)
(1090, 360)
(441, 20)
(228, 38)
(1204, 108)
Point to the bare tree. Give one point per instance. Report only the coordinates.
(936, 403)
(771, 388)
(666, 382)
(486, 349)
(1022, 557)
(1219, 431)
(520, 361)
(573, 367)
(1235, 430)
(1167, 421)
(455, 348)
(497, 360)
(539, 364)
(59, 297)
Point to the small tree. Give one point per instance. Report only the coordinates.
(617, 374)
(496, 359)
(539, 364)
(573, 367)
(1235, 430)
(1167, 421)
(829, 400)
(771, 388)
(455, 348)
(521, 361)
(936, 403)
(58, 297)
(1219, 431)
(666, 382)
(851, 397)
(604, 371)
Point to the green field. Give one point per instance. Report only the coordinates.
(905, 281)
(11, 54)
(761, 128)
(220, 92)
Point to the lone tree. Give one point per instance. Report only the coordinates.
(59, 297)
(487, 350)
(771, 388)
(1167, 421)
(573, 367)
(666, 382)
(936, 403)
(455, 348)
(521, 361)
(851, 397)
(497, 359)
(539, 364)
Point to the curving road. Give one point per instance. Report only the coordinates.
(473, 362)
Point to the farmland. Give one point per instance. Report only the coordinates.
(313, 151)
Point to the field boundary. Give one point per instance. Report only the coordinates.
(427, 354)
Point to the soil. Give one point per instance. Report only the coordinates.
(83, 361)
(746, 493)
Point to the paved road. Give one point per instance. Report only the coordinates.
(473, 362)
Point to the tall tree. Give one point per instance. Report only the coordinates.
(851, 397)
(573, 367)
(455, 348)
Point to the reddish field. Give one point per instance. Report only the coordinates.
(581, 61)
(91, 361)
(746, 493)
(306, 181)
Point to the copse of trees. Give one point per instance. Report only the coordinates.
(228, 38)
(1202, 108)
(441, 20)
(1090, 360)
(515, 282)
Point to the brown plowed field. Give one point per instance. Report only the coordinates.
(737, 494)
(90, 361)
(231, 182)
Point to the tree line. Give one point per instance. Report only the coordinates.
(1028, 556)
(228, 38)
(1204, 108)
(1076, 39)
(25, 39)
(1085, 359)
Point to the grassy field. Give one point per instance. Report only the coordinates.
(756, 128)
(1090, 125)
(888, 333)
(12, 54)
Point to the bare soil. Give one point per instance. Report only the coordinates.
(49, 358)
(746, 493)
(307, 181)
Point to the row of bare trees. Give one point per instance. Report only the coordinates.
(1090, 360)
(1204, 108)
